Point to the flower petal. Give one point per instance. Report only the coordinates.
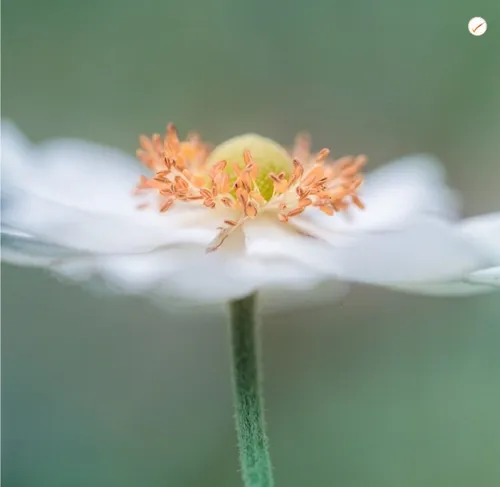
(270, 240)
(184, 272)
(22, 249)
(484, 230)
(478, 282)
(413, 185)
(235, 270)
(464, 287)
(187, 273)
(405, 235)
(489, 277)
(79, 195)
(423, 249)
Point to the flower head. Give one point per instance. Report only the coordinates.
(248, 176)
(272, 220)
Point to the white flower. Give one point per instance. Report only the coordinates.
(271, 222)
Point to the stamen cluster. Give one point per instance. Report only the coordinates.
(183, 172)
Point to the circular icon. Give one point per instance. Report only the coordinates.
(477, 26)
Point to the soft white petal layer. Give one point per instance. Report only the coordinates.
(452, 288)
(79, 195)
(490, 277)
(478, 282)
(420, 250)
(285, 266)
(413, 185)
(189, 273)
(23, 249)
(405, 235)
(269, 240)
(484, 231)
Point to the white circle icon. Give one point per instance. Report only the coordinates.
(477, 26)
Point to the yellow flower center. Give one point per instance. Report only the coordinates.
(269, 157)
(248, 174)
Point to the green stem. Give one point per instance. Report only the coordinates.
(250, 426)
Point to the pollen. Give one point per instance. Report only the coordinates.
(246, 176)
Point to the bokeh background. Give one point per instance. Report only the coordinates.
(381, 390)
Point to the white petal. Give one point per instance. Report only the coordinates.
(282, 270)
(489, 277)
(187, 273)
(478, 282)
(22, 249)
(69, 172)
(423, 249)
(79, 195)
(413, 185)
(296, 271)
(463, 287)
(484, 231)
(270, 240)
(405, 235)
(270, 258)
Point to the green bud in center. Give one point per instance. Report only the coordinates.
(269, 156)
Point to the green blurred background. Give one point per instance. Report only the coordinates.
(381, 390)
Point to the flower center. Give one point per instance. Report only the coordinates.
(248, 174)
(269, 157)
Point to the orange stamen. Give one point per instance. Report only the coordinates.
(181, 173)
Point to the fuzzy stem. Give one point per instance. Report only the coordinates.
(250, 426)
